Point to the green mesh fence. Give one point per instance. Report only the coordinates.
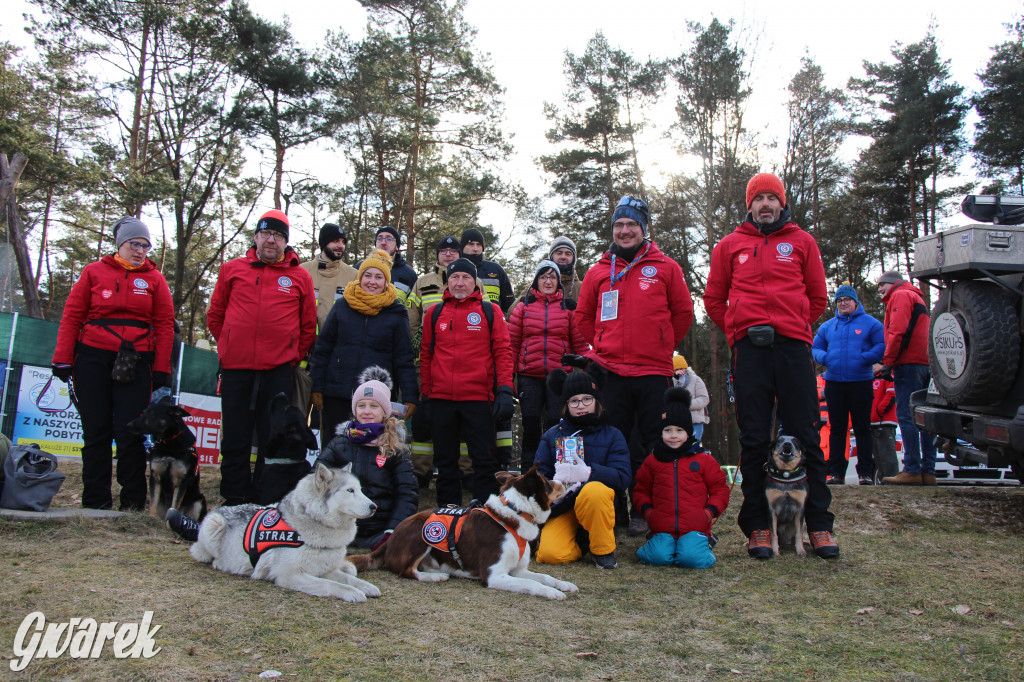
(33, 344)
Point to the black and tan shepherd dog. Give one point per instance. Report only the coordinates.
(285, 461)
(785, 487)
(173, 462)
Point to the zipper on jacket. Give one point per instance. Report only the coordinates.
(675, 483)
(545, 344)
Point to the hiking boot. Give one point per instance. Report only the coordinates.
(605, 560)
(637, 526)
(903, 478)
(760, 544)
(823, 544)
(927, 479)
(832, 479)
(184, 526)
(867, 480)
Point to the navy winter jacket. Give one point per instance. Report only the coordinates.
(604, 451)
(351, 341)
(848, 345)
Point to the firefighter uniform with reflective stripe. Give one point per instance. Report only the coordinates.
(329, 280)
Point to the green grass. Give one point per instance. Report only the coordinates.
(910, 556)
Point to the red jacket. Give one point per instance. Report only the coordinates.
(541, 332)
(677, 492)
(883, 407)
(654, 313)
(107, 290)
(465, 355)
(899, 306)
(756, 279)
(262, 315)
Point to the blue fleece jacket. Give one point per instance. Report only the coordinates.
(848, 345)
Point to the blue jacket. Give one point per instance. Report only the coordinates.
(848, 345)
(604, 451)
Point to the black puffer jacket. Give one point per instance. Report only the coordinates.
(350, 342)
(392, 487)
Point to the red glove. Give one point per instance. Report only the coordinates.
(385, 538)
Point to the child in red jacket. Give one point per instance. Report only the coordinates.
(680, 490)
(883, 429)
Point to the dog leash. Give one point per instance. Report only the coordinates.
(739, 464)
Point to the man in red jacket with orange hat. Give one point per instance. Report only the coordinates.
(765, 289)
(263, 316)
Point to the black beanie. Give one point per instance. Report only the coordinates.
(390, 230)
(471, 235)
(462, 265)
(676, 410)
(331, 233)
(577, 382)
(448, 242)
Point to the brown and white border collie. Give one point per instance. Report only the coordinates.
(489, 543)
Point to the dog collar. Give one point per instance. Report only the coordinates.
(524, 515)
(795, 476)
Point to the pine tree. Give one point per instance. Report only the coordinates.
(999, 135)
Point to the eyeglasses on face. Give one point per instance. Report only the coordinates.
(581, 402)
(385, 238)
(625, 224)
(548, 277)
(448, 252)
(272, 234)
(139, 246)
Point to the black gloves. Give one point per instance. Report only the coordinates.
(504, 404)
(570, 360)
(161, 380)
(61, 370)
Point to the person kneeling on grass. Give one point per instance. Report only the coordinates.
(374, 442)
(592, 459)
(680, 490)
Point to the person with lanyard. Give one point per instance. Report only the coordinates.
(119, 303)
(634, 309)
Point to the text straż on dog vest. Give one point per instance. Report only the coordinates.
(82, 638)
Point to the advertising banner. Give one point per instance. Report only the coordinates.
(204, 422)
(46, 414)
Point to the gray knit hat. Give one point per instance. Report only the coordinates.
(130, 228)
(890, 277)
(562, 242)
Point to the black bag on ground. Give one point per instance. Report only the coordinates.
(31, 479)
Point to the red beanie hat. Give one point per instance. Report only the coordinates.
(274, 220)
(765, 182)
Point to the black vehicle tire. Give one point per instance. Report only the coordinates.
(987, 315)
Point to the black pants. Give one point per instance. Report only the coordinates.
(636, 400)
(540, 408)
(760, 375)
(850, 400)
(336, 411)
(470, 421)
(106, 407)
(245, 396)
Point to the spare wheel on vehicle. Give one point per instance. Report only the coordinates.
(974, 342)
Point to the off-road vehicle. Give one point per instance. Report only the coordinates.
(975, 401)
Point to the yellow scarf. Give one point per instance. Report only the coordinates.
(366, 303)
(127, 264)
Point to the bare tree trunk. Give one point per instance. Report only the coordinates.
(10, 174)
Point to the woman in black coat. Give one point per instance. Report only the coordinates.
(367, 326)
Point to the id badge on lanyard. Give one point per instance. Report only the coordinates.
(609, 305)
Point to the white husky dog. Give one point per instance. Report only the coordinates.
(299, 544)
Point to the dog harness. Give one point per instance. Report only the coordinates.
(267, 530)
(444, 526)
